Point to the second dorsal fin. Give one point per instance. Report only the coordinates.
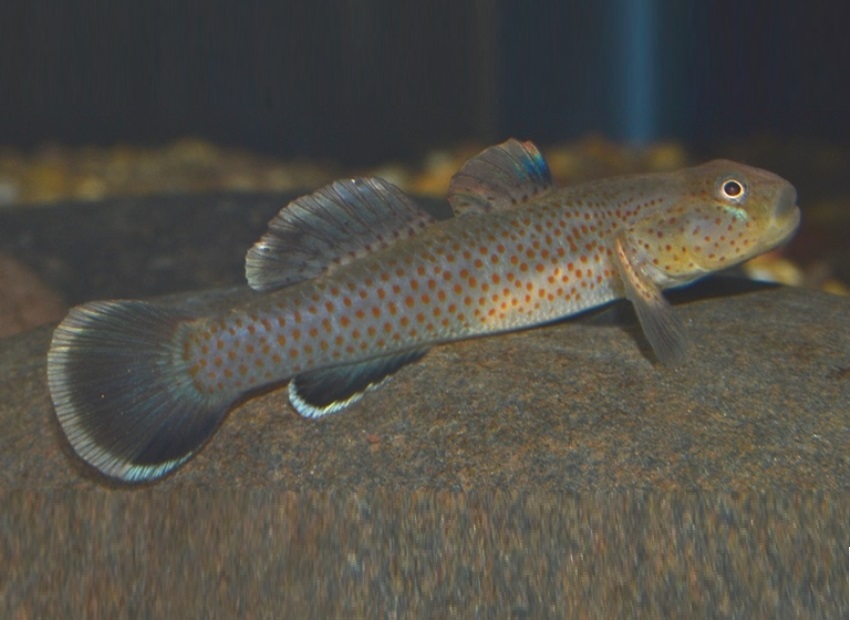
(500, 177)
(336, 224)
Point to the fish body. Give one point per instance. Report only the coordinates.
(482, 274)
(355, 281)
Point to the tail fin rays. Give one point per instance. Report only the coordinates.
(122, 391)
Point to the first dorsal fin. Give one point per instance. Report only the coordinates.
(340, 222)
(500, 177)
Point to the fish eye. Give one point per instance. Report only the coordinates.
(732, 189)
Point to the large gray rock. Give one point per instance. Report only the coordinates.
(756, 421)
(763, 401)
(549, 473)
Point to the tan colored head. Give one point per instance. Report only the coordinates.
(726, 213)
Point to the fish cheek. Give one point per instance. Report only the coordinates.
(657, 248)
(683, 245)
(714, 237)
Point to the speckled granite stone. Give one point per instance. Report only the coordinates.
(763, 401)
(193, 551)
(548, 473)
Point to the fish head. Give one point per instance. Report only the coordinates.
(724, 213)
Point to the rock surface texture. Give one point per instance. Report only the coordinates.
(762, 401)
(544, 473)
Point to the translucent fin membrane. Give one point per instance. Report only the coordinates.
(122, 391)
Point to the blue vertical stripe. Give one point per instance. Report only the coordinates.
(639, 120)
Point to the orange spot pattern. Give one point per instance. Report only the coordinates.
(479, 273)
(442, 288)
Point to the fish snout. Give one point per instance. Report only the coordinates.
(786, 204)
(785, 218)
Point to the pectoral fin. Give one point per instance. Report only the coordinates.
(661, 327)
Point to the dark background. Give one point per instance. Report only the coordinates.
(368, 80)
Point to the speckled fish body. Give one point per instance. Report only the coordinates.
(355, 281)
(457, 279)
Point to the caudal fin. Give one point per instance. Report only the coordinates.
(122, 391)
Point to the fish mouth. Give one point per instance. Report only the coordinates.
(786, 204)
(786, 218)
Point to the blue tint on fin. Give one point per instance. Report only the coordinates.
(122, 392)
(500, 177)
(331, 227)
(319, 392)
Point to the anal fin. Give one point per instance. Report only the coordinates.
(327, 390)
